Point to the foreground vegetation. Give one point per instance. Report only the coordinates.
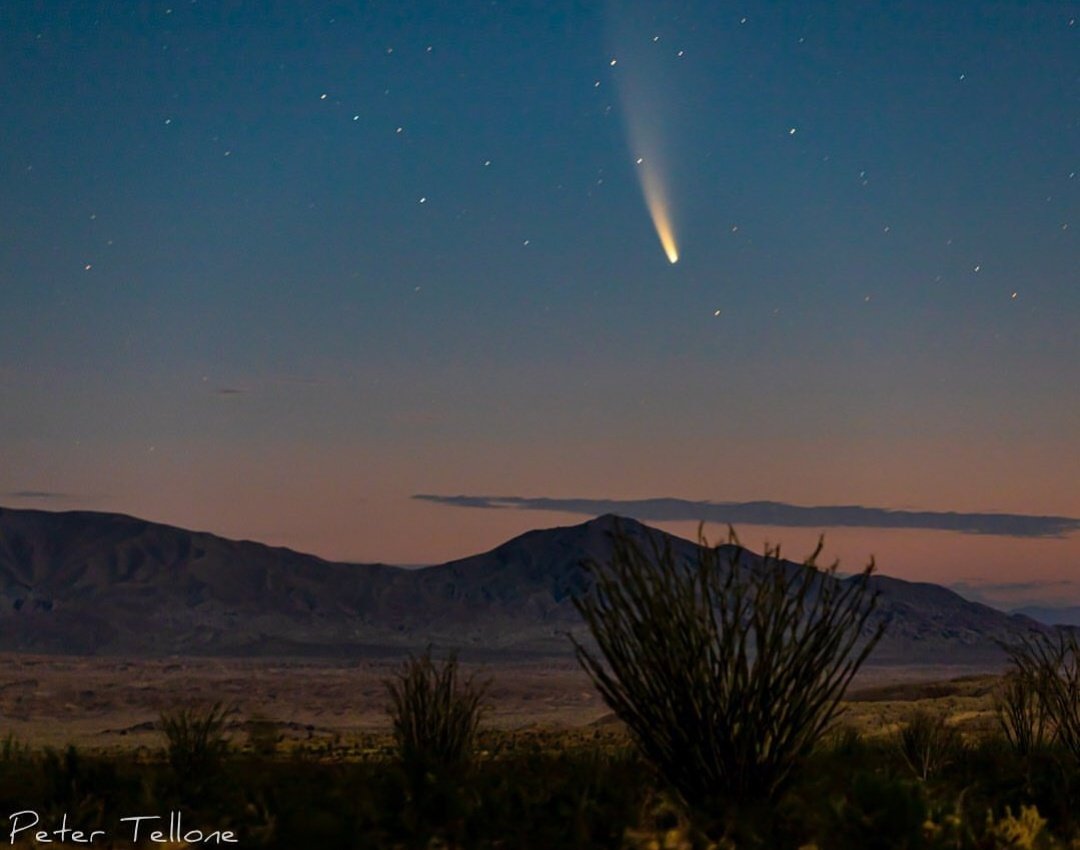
(580, 789)
(726, 668)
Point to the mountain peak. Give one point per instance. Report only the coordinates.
(77, 582)
(614, 522)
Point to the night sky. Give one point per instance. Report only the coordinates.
(272, 269)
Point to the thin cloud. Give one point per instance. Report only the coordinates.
(1033, 598)
(781, 514)
(974, 586)
(230, 391)
(43, 495)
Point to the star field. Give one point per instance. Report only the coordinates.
(272, 269)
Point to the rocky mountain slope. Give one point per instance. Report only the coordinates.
(93, 583)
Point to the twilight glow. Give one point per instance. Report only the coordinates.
(271, 269)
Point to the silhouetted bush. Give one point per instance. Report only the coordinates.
(727, 670)
(436, 713)
(77, 787)
(928, 743)
(1021, 711)
(13, 750)
(195, 745)
(1051, 664)
(570, 790)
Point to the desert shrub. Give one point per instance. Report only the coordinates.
(70, 785)
(1021, 711)
(577, 800)
(12, 750)
(195, 743)
(726, 671)
(436, 713)
(928, 743)
(1051, 666)
(845, 742)
(875, 812)
(1026, 832)
(262, 735)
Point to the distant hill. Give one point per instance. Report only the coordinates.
(97, 583)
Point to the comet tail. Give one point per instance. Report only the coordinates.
(659, 209)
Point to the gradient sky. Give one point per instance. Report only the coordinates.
(270, 269)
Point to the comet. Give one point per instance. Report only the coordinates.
(656, 200)
(642, 75)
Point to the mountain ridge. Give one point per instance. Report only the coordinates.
(84, 582)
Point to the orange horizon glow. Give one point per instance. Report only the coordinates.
(351, 500)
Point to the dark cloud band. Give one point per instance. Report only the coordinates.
(781, 514)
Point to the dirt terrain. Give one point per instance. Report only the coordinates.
(114, 703)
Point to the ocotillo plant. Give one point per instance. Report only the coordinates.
(1051, 665)
(727, 670)
(1022, 714)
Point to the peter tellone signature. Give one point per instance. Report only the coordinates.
(27, 825)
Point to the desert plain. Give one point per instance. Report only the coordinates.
(114, 703)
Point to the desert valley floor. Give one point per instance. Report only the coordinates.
(107, 703)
